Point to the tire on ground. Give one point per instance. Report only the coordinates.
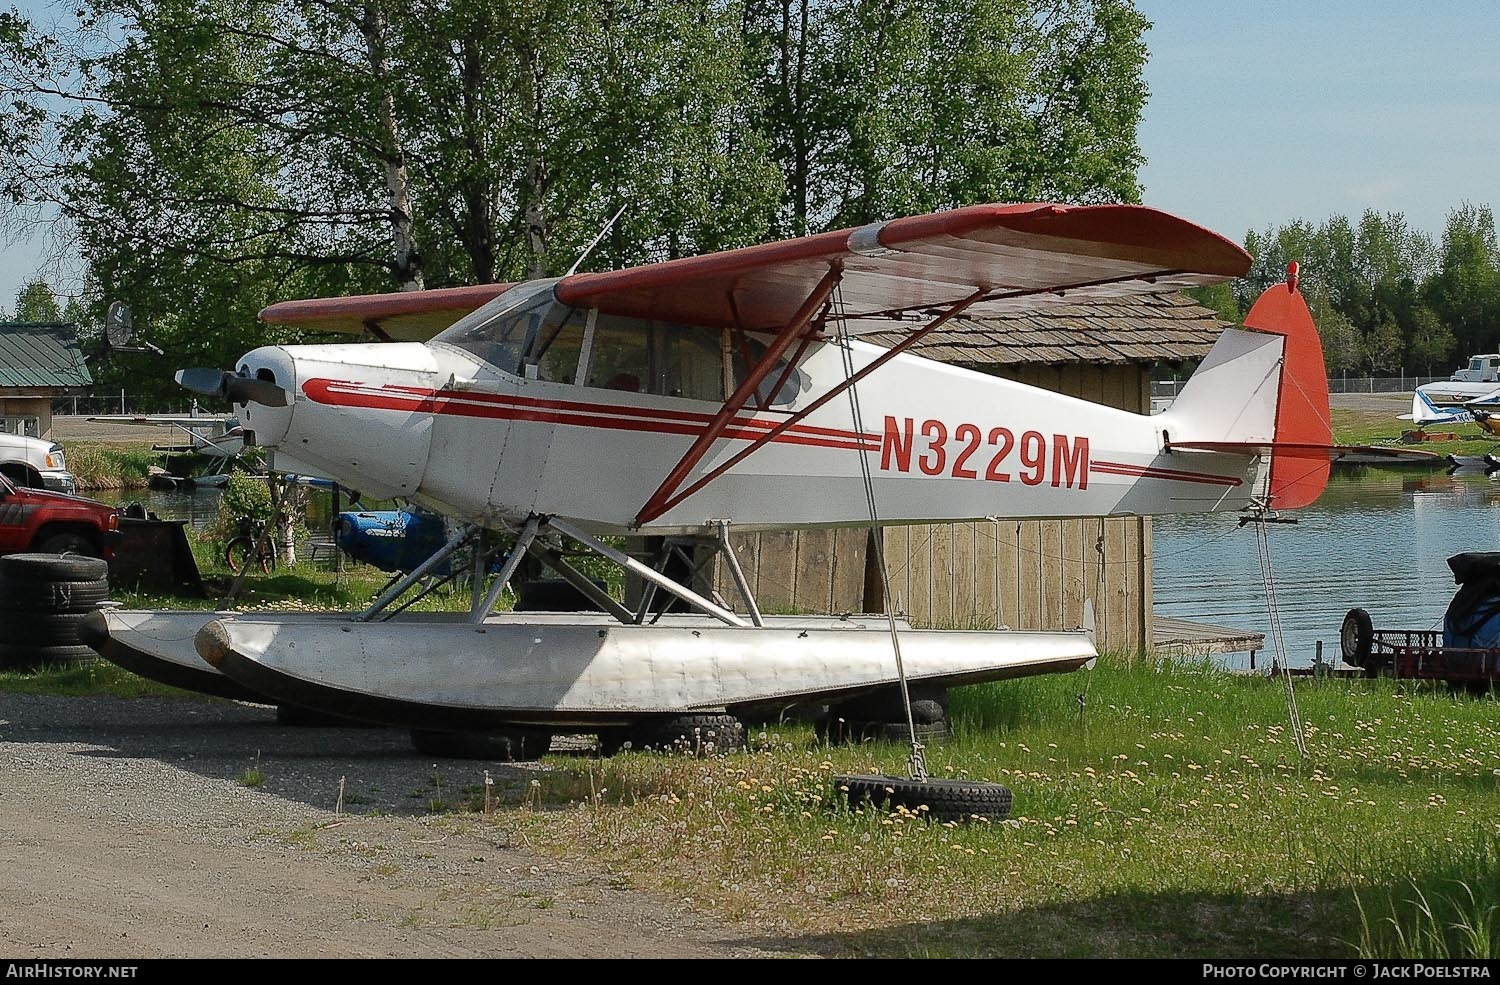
(22, 657)
(52, 596)
(698, 735)
(42, 628)
(838, 730)
(929, 704)
(506, 745)
(52, 567)
(1357, 638)
(945, 800)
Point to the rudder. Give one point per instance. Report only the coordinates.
(1298, 477)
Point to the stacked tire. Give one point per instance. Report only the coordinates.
(44, 599)
(881, 715)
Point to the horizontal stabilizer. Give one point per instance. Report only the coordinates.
(1302, 449)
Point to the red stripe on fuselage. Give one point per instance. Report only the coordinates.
(345, 393)
(1148, 472)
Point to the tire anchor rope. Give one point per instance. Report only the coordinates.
(1262, 516)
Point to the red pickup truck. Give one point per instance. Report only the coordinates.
(54, 523)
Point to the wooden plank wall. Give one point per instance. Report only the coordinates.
(1033, 574)
(800, 570)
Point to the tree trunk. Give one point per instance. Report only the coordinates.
(535, 192)
(407, 260)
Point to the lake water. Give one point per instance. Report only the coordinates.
(1377, 539)
(197, 506)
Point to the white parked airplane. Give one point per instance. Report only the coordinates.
(1425, 412)
(721, 393)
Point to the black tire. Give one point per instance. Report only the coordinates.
(52, 596)
(33, 567)
(42, 628)
(698, 735)
(945, 800)
(838, 730)
(1357, 638)
(68, 542)
(509, 745)
(19, 657)
(928, 704)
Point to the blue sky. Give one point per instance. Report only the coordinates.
(1266, 111)
(1263, 111)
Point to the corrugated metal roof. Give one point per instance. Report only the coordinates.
(1145, 328)
(41, 355)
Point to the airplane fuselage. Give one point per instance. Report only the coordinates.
(439, 424)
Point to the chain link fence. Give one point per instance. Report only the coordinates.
(1336, 384)
(94, 404)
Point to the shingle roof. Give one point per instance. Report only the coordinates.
(1146, 328)
(41, 355)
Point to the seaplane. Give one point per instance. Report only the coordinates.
(684, 401)
(217, 438)
(1425, 412)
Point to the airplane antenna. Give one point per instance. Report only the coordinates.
(590, 248)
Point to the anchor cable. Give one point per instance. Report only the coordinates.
(1273, 612)
(917, 763)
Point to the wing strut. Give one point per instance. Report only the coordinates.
(664, 500)
(658, 503)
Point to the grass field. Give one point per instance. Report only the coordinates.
(1354, 425)
(1168, 815)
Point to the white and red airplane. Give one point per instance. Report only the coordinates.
(720, 393)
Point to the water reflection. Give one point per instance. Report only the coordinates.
(197, 506)
(1377, 539)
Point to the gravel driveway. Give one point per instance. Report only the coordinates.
(129, 832)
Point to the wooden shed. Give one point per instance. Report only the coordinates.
(1029, 574)
(38, 363)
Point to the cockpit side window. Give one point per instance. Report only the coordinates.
(530, 334)
(622, 355)
(504, 330)
(558, 343)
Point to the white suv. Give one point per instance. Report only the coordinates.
(35, 463)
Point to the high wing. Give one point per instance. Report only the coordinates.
(408, 316)
(989, 256)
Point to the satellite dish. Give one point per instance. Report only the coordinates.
(118, 325)
(119, 329)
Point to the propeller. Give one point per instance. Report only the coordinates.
(233, 387)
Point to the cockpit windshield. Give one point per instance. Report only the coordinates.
(527, 332)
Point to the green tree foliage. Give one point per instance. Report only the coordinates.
(1220, 299)
(876, 108)
(1430, 344)
(1465, 291)
(212, 156)
(1343, 347)
(35, 302)
(1407, 302)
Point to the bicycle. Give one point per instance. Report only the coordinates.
(253, 541)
